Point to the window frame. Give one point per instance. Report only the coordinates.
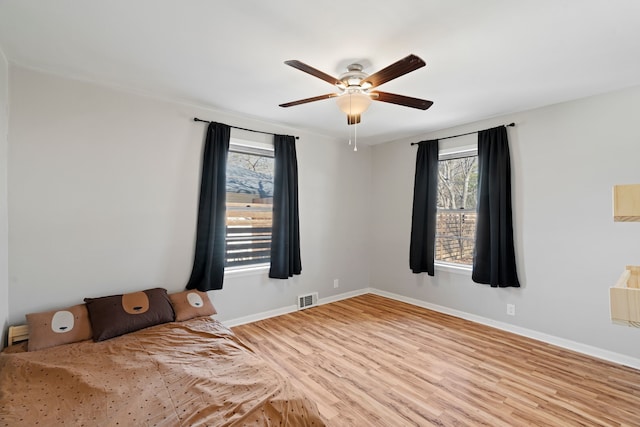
(450, 153)
(264, 148)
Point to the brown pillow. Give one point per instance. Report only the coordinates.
(190, 304)
(57, 327)
(120, 314)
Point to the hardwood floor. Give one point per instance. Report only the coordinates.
(372, 361)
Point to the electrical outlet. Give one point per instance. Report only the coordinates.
(511, 309)
(336, 283)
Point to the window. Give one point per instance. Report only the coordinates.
(456, 207)
(250, 169)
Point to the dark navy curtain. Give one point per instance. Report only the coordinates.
(208, 262)
(285, 240)
(423, 218)
(494, 260)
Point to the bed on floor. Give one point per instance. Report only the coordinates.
(178, 373)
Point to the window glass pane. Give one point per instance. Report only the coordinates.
(456, 219)
(249, 209)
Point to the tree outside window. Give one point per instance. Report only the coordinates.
(456, 209)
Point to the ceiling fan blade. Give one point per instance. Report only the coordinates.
(314, 72)
(397, 69)
(304, 101)
(407, 101)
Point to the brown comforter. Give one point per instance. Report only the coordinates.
(176, 374)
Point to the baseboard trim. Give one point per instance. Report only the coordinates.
(290, 309)
(596, 352)
(259, 316)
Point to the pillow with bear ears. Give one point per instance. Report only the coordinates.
(116, 315)
(190, 304)
(57, 327)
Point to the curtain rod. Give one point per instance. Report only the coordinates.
(195, 119)
(463, 134)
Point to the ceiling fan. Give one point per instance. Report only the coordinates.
(355, 94)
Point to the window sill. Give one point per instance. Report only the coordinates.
(253, 270)
(454, 268)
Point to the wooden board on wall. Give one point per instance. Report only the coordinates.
(626, 202)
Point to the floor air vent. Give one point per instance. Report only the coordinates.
(306, 301)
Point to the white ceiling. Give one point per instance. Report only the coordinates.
(484, 57)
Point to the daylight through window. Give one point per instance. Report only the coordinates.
(456, 214)
(249, 206)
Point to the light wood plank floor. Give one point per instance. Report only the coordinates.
(372, 361)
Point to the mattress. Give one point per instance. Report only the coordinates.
(191, 373)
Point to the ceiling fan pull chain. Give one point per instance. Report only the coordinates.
(355, 137)
(349, 116)
(355, 128)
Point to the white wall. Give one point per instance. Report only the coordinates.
(103, 191)
(565, 160)
(4, 239)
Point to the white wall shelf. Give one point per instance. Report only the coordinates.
(624, 298)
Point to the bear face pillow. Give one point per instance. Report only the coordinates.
(190, 304)
(57, 327)
(116, 315)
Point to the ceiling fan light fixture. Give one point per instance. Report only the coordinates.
(355, 96)
(354, 103)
